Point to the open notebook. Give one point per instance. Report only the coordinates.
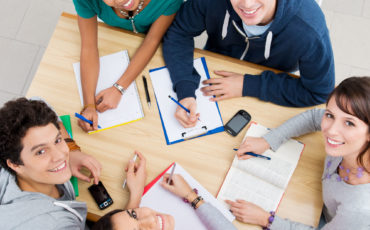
(260, 181)
(163, 201)
(210, 117)
(111, 69)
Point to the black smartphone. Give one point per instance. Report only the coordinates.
(100, 195)
(237, 122)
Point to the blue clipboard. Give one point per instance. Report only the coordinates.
(209, 132)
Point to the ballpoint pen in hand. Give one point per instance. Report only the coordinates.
(79, 116)
(171, 175)
(125, 181)
(179, 104)
(255, 155)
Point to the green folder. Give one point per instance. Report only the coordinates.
(67, 124)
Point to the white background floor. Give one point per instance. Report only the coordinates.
(26, 27)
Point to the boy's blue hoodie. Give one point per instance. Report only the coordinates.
(300, 40)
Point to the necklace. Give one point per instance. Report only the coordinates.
(359, 172)
(132, 17)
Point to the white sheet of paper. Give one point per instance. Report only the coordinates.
(111, 69)
(163, 201)
(209, 114)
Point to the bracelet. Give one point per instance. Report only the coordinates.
(271, 219)
(119, 88)
(86, 106)
(72, 144)
(196, 201)
(186, 200)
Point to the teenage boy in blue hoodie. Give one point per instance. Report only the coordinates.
(283, 34)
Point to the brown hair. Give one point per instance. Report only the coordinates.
(105, 222)
(16, 118)
(352, 96)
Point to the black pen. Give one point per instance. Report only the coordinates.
(146, 91)
(255, 155)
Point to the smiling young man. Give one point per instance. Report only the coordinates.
(35, 167)
(287, 35)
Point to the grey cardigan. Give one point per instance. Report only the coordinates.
(345, 206)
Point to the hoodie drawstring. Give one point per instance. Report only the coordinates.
(69, 209)
(268, 45)
(246, 39)
(225, 25)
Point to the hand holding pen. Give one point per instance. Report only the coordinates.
(256, 145)
(89, 114)
(136, 175)
(186, 111)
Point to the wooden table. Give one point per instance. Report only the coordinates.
(207, 159)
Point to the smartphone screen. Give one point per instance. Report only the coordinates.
(237, 123)
(100, 195)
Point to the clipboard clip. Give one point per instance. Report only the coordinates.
(194, 133)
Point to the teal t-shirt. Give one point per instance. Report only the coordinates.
(143, 21)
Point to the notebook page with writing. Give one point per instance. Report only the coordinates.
(209, 113)
(163, 201)
(261, 181)
(111, 69)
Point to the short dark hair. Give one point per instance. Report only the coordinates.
(16, 118)
(105, 222)
(352, 96)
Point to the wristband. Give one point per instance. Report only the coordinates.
(196, 201)
(271, 219)
(185, 199)
(86, 106)
(72, 144)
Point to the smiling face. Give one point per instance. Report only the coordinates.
(45, 157)
(146, 219)
(255, 12)
(344, 134)
(128, 5)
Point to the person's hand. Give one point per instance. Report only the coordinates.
(249, 213)
(256, 145)
(178, 185)
(107, 99)
(91, 114)
(136, 175)
(185, 119)
(78, 159)
(231, 85)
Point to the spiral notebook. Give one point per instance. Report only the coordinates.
(210, 117)
(129, 109)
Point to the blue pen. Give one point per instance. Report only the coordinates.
(178, 103)
(79, 116)
(255, 155)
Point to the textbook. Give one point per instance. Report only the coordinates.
(129, 108)
(210, 120)
(260, 181)
(163, 201)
